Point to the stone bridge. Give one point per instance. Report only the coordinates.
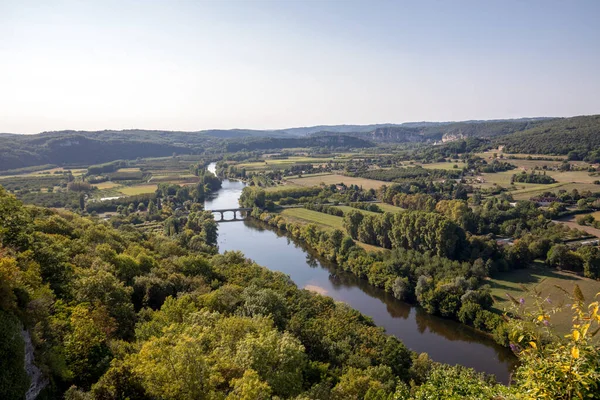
(241, 210)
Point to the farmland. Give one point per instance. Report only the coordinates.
(520, 283)
(333, 179)
(138, 189)
(308, 216)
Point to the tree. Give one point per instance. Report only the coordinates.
(86, 344)
(249, 386)
(14, 381)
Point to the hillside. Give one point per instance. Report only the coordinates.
(578, 134)
(330, 141)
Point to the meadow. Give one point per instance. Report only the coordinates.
(303, 215)
(520, 283)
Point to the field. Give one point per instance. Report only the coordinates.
(139, 189)
(128, 170)
(106, 185)
(345, 209)
(519, 284)
(389, 208)
(276, 163)
(333, 179)
(303, 215)
(526, 194)
(444, 165)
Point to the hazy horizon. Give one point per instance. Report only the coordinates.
(192, 66)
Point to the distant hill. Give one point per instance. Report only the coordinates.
(336, 141)
(579, 135)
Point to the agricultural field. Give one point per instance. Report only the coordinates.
(333, 179)
(283, 163)
(126, 170)
(303, 215)
(138, 189)
(390, 208)
(444, 165)
(106, 185)
(346, 209)
(519, 284)
(528, 193)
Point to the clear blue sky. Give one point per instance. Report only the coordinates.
(189, 65)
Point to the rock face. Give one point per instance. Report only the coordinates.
(38, 381)
(397, 134)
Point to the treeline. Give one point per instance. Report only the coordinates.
(540, 178)
(580, 135)
(331, 210)
(97, 206)
(395, 174)
(416, 230)
(107, 167)
(366, 206)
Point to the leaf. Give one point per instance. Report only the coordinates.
(521, 338)
(532, 344)
(575, 352)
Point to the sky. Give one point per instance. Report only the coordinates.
(192, 65)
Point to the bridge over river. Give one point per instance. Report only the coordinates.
(242, 211)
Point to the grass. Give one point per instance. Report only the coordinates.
(554, 187)
(309, 216)
(345, 209)
(519, 284)
(333, 179)
(389, 208)
(106, 185)
(138, 189)
(128, 170)
(572, 176)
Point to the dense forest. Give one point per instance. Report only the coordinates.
(578, 137)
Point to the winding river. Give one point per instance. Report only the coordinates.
(444, 340)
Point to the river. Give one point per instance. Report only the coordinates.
(444, 340)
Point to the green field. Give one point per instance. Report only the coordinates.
(333, 179)
(389, 208)
(345, 209)
(519, 284)
(303, 215)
